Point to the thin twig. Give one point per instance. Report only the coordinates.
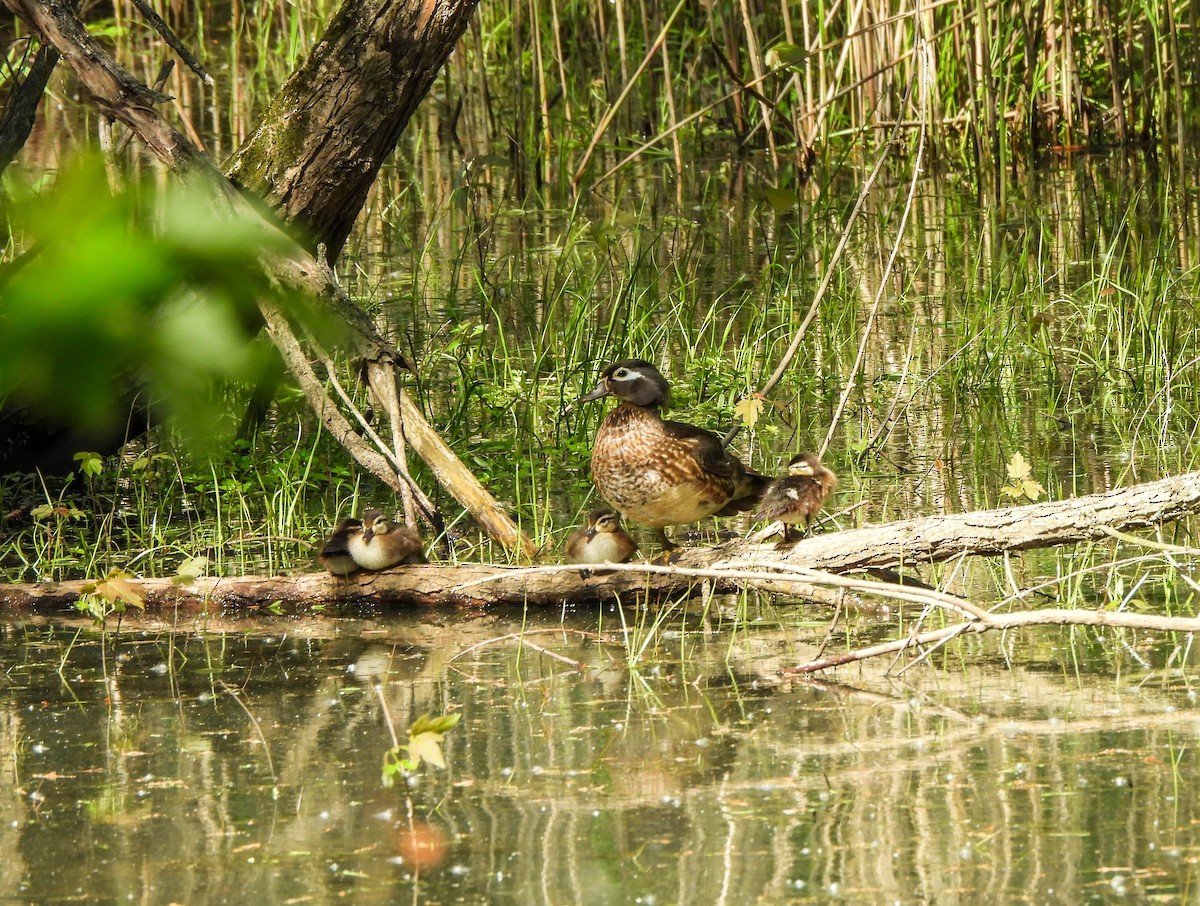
(233, 693)
(157, 23)
(883, 280)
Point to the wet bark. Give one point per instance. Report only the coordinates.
(727, 568)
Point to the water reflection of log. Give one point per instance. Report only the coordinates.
(728, 568)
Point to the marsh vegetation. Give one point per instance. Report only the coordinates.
(1020, 278)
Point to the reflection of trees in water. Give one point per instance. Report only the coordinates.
(696, 778)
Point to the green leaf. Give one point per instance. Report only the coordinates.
(440, 724)
(89, 463)
(780, 200)
(190, 570)
(787, 55)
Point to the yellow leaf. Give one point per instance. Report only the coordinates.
(428, 747)
(118, 586)
(749, 409)
(1018, 468)
(1032, 489)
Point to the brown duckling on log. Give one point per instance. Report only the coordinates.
(335, 551)
(382, 545)
(602, 540)
(797, 497)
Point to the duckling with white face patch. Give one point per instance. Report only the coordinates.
(797, 497)
(381, 545)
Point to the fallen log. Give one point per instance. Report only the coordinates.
(727, 568)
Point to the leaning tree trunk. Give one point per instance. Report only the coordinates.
(341, 79)
(366, 76)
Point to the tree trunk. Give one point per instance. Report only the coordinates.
(727, 568)
(328, 131)
(126, 100)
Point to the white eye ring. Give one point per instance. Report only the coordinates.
(621, 373)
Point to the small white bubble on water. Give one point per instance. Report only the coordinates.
(1118, 885)
(833, 888)
(160, 669)
(799, 883)
(1121, 781)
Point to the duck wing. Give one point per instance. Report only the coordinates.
(712, 456)
(706, 448)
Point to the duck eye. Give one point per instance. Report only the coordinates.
(621, 373)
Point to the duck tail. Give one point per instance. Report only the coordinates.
(747, 494)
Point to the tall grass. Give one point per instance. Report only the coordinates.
(539, 85)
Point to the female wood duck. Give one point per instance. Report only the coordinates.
(602, 540)
(798, 496)
(660, 472)
(335, 552)
(381, 545)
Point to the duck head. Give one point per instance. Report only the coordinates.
(632, 381)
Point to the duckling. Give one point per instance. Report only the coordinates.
(335, 552)
(798, 496)
(381, 545)
(661, 472)
(602, 540)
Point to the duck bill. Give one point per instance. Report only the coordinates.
(368, 534)
(591, 534)
(596, 394)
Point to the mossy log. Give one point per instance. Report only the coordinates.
(729, 567)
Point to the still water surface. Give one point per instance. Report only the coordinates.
(243, 764)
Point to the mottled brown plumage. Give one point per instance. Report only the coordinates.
(798, 496)
(381, 545)
(602, 540)
(335, 552)
(658, 472)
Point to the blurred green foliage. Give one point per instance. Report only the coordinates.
(152, 290)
